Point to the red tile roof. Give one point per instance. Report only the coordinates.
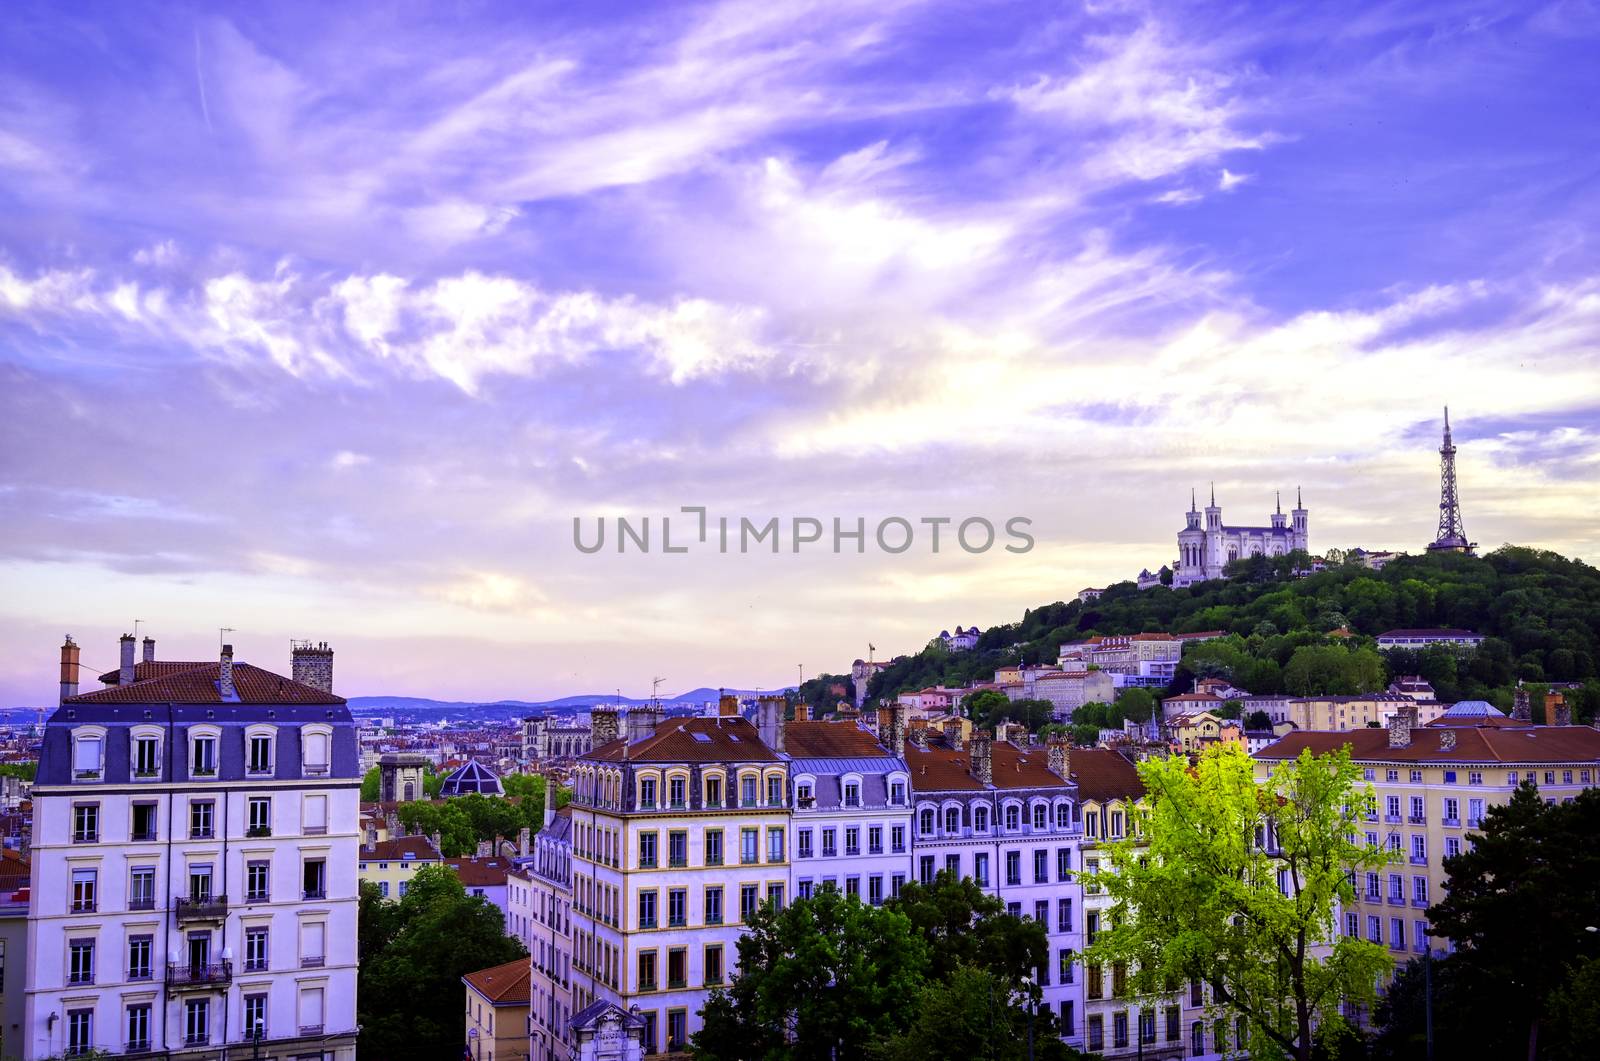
(487, 872)
(155, 668)
(828, 740)
(503, 985)
(401, 849)
(1487, 744)
(196, 683)
(1103, 774)
(938, 768)
(723, 739)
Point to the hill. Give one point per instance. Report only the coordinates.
(1539, 610)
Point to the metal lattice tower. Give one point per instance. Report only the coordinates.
(1452, 537)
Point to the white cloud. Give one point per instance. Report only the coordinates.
(162, 253)
(1230, 180)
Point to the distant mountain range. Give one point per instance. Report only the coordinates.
(374, 705)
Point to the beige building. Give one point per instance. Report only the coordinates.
(1335, 713)
(497, 1012)
(391, 863)
(1434, 785)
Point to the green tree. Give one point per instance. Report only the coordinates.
(1196, 891)
(986, 706)
(1137, 705)
(971, 1016)
(1258, 720)
(369, 786)
(966, 926)
(1520, 901)
(413, 954)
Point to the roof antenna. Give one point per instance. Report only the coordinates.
(655, 691)
(221, 631)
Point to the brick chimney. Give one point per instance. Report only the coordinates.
(1059, 757)
(149, 650)
(125, 673)
(802, 712)
(483, 849)
(1400, 723)
(917, 731)
(727, 705)
(69, 668)
(312, 664)
(982, 757)
(1556, 711)
(551, 787)
(603, 726)
(1521, 706)
(952, 733)
(1447, 740)
(894, 735)
(524, 839)
(224, 672)
(769, 720)
(372, 835)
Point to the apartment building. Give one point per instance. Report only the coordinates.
(497, 1013)
(392, 864)
(680, 830)
(852, 807)
(1007, 817)
(1434, 785)
(541, 905)
(1335, 713)
(194, 864)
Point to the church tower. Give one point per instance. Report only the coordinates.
(1277, 513)
(1214, 557)
(1300, 536)
(1191, 547)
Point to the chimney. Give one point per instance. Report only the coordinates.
(437, 840)
(1556, 711)
(551, 787)
(483, 849)
(769, 721)
(917, 730)
(952, 733)
(372, 834)
(1059, 757)
(1521, 706)
(982, 757)
(69, 668)
(802, 712)
(312, 664)
(524, 839)
(1400, 723)
(642, 722)
(1447, 740)
(391, 824)
(224, 672)
(149, 650)
(727, 706)
(603, 726)
(125, 674)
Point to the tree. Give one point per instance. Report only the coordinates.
(1520, 901)
(1258, 720)
(1032, 714)
(1137, 705)
(822, 978)
(970, 1016)
(413, 955)
(1196, 891)
(964, 925)
(985, 706)
(369, 785)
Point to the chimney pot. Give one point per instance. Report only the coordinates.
(312, 664)
(1400, 725)
(225, 674)
(603, 726)
(69, 668)
(1521, 705)
(983, 758)
(149, 650)
(125, 672)
(1556, 711)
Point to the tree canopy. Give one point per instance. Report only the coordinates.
(1231, 882)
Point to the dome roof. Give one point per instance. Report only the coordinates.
(472, 776)
(1473, 709)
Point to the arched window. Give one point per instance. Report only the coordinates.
(411, 791)
(1013, 818)
(1063, 815)
(925, 821)
(980, 818)
(952, 819)
(1040, 817)
(1197, 1038)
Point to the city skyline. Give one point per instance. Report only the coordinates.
(313, 339)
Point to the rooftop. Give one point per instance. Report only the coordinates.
(503, 985)
(199, 683)
(692, 740)
(1478, 744)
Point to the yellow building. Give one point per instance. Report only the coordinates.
(497, 1012)
(1193, 732)
(1434, 785)
(1336, 713)
(391, 863)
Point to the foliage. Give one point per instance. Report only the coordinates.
(968, 1016)
(964, 925)
(26, 771)
(413, 954)
(985, 706)
(1520, 901)
(462, 822)
(1197, 895)
(1258, 720)
(1137, 705)
(1540, 612)
(370, 782)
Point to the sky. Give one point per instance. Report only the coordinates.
(328, 320)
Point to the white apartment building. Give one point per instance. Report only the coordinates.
(194, 865)
(1007, 817)
(541, 907)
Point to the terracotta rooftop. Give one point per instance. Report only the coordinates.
(692, 740)
(1486, 744)
(829, 740)
(401, 849)
(487, 872)
(939, 768)
(196, 683)
(1103, 774)
(503, 985)
(1436, 632)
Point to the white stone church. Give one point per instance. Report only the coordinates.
(1203, 551)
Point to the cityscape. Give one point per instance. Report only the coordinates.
(799, 530)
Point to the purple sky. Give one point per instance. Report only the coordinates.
(323, 321)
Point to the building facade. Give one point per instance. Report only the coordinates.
(194, 864)
(547, 922)
(1205, 548)
(497, 1012)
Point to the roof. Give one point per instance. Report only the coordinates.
(1478, 744)
(472, 776)
(1192, 698)
(939, 768)
(1438, 632)
(197, 683)
(486, 872)
(151, 668)
(730, 738)
(401, 849)
(1472, 709)
(1103, 774)
(14, 871)
(830, 740)
(503, 985)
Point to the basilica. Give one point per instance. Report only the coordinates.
(1203, 551)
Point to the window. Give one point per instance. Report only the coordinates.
(1197, 1038)
(1452, 811)
(203, 757)
(952, 865)
(747, 791)
(260, 816)
(315, 743)
(875, 840)
(142, 823)
(1419, 890)
(1095, 986)
(1452, 846)
(952, 819)
(830, 845)
(1063, 915)
(803, 844)
(311, 1011)
(648, 1035)
(1397, 933)
(713, 847)
(647, 850)
(677, 1029)
(774, 791)
(1091, 925)
(80, 961)
(1013, 818)
(749, 842)
(713, 791)
(200, 883)
(852, 793)
(925, 821)
(1173, 1019)
(897, 794)
(86, 823)
(201, 815)
(775, 892)
(86, 762)
(139, 957)
(852, 841)
(1068, 1019)
(1474, 777)
(712, 965)
(1041, 819)
(313, 944)
(677, 907)
(1041, 912)
(677, 848)
(257, 881)
(677, 792)
(138, 1027)
(1374, 928)
(255, 949)
(647, 909)
(1041, 866)
(896, 883)
(647, 793)
(775, 843)
(316, 815)
(1419, 848)
(980, 868)
(255, 1016)
(315, 878)
(196, 1022)
(714, 905)
(1013, 867)
(875, 890)
(85, 890)
(1065, 966)
(1063, 816)
(259, 757)
(80, 1031)
(980, 818)
(1063, 864)
(146, 763)
(1119, 1028)
(749, 899)
(1097, 1031)
(897, 836)
(805, 795)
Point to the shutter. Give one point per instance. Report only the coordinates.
(313, 937)
(317, 811)
(86, 754)
(311, 1007)
(316, 749)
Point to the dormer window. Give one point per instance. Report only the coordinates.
(203, 760)
(87, 756)
(852, 793)
(952, 820)
(647, 793)
(258, 758)
(1013, 818)
(1040, 819)
(774, 791)
(804, 794)
(897, 794)
(146, 757)
(316, 744)
(980, 818)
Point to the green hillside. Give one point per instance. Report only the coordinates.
(1540, 611)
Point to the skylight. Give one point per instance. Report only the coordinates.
(703, 738)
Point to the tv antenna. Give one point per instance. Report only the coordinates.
(221, 630)
(655, 691)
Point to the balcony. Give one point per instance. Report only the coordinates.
(201, 908)
(257, 831)
(83, 906)
(144, 836)
(314, 893)
(310, 1029)
(150, 774)
(647, 863)
(313, 961)
(677, 983)
(1454, 823)
(203, 771)
(86, 837)
(202, 833)
(1420, 904)
(678, 862)
(1418, 819)
(1474, 823)
(1391, 819)
(86, 775)
(317, 770)
(1397, 900)
(1419, 860)
(184, 975)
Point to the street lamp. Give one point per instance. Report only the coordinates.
(258, 1028)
